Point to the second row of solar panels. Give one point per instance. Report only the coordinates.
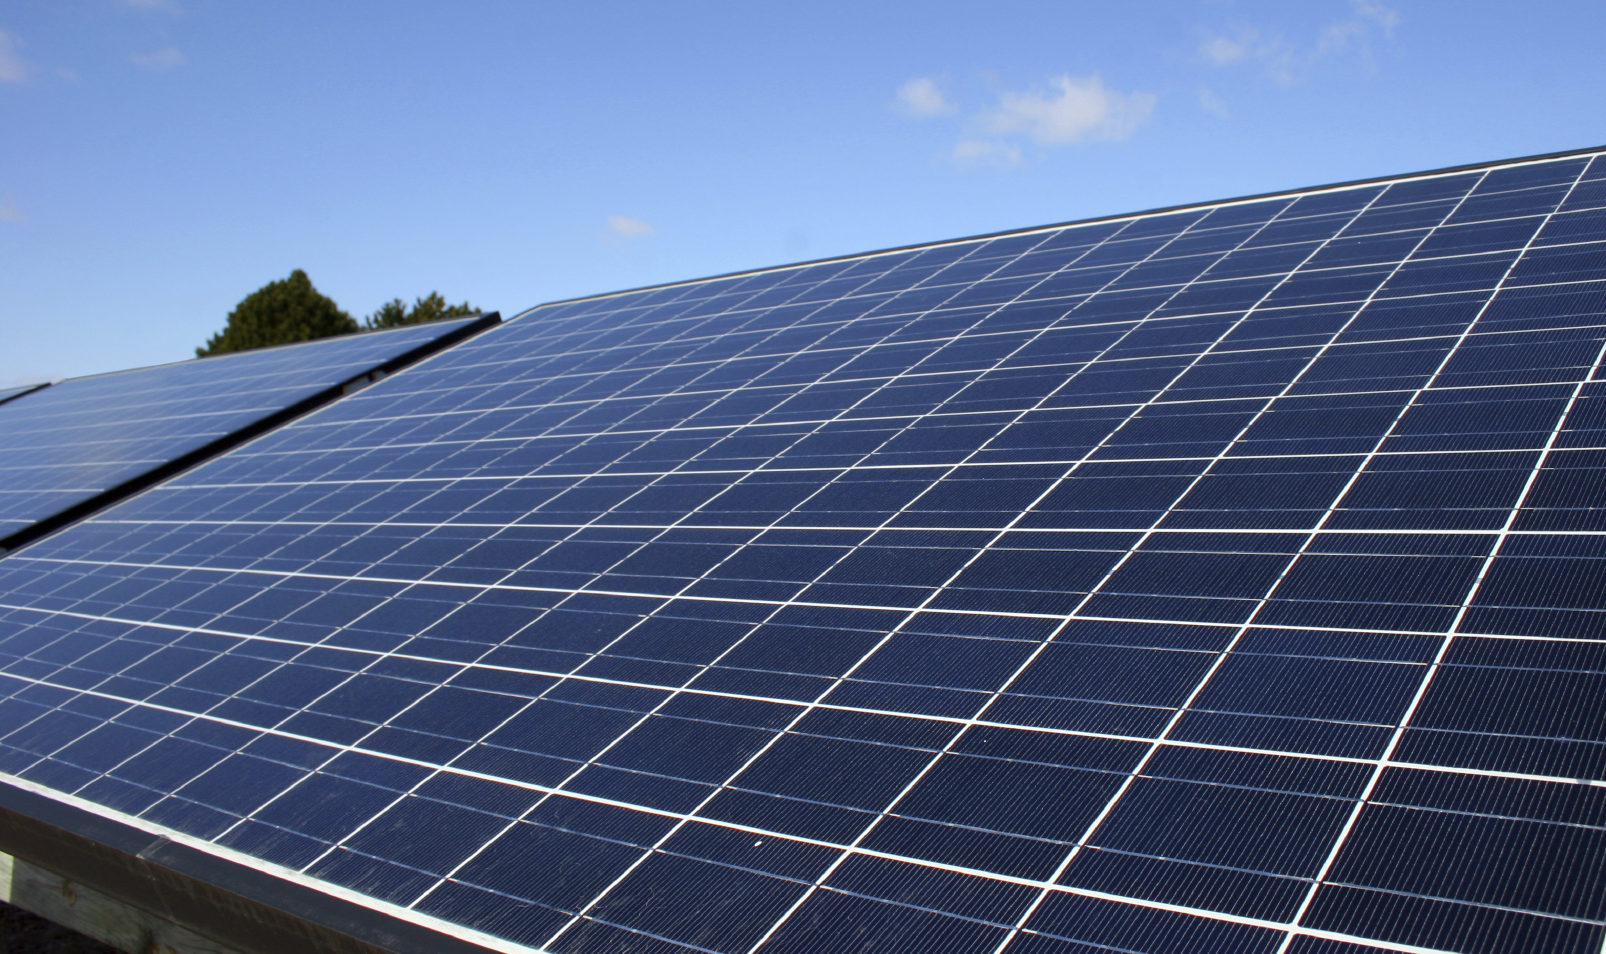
(64, 448)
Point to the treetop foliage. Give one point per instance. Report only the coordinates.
(280, 312)
(291, 310)
(431, 307)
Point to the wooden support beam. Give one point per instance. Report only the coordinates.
(237, 906)
(95, 914)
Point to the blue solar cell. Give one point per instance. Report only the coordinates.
(1458, 272)
(1445, 925)
(1100, 923)
(1557, 263)
(1454, 874)
(1230, 891)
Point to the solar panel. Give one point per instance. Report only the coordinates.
(1220, 578)
(71, 448)
(7, 394)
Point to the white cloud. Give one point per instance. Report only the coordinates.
(1071, 110)
(922, 97)
(1064, 110)
(1287, 62)
(167, 58)
(1211, 102)
(1245, 44)
(1337, 36)
(627, 227)
(13, 68)
(982, 152)
(1384, 17)
(10, 213)
(1222, 50)
(1357, 30)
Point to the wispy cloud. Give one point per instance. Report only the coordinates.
(152, 6)
(922, 96)
(627, 227)
(160, 61)
(1070, 110)
(1211, 102)
(1367, 17)
(1225, 49)
(982, 152)
(1286, 61)
(10, 213)
(1242, 44)
(13, 68)
(1021, 124)
(1383, 16)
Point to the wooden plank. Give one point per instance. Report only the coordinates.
(100, 916)
(233, 905)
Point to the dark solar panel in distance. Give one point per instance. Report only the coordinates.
(1215, 579)
(10, 394)
(66, 446)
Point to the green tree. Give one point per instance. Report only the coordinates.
(432, 307)
(279, 312)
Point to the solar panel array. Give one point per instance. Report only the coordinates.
(1222, 579)
(74, 440)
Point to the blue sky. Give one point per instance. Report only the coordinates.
(161, 159)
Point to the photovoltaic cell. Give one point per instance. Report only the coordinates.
(67, 444)
(1225, 579)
